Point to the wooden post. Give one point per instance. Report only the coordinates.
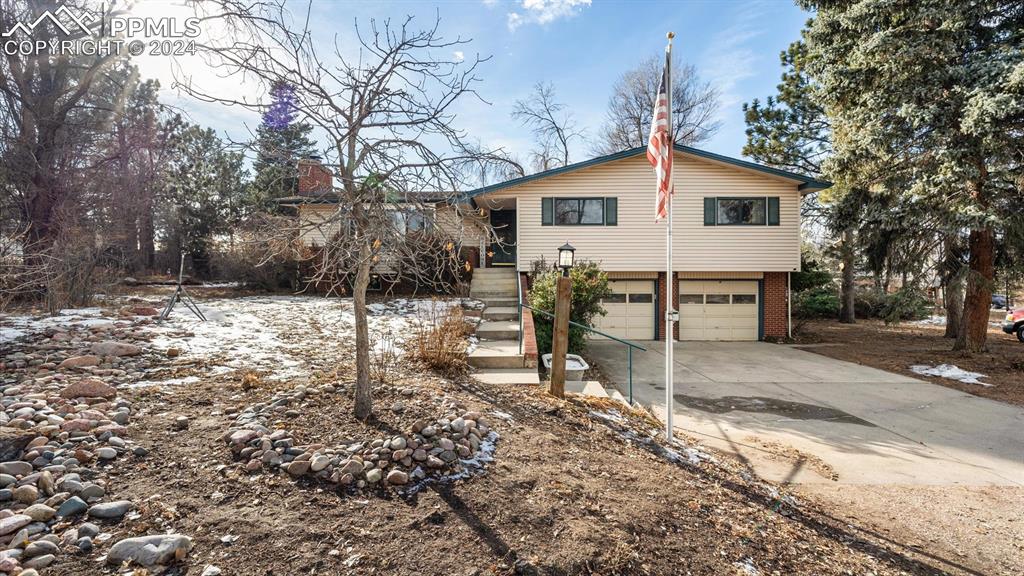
(560, 336)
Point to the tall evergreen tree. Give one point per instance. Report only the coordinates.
(280, 142)
(791, 131)
(928, 92)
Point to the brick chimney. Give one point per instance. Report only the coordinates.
(314, 178)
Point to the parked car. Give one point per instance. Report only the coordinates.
(998, 301)
(1014, 323)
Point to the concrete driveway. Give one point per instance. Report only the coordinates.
(761, 401)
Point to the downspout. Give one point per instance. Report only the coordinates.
(789, 305)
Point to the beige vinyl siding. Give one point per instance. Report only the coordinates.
(317, 223)
(637, 243)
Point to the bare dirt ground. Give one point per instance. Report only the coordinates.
(896, 348)
(575, 487)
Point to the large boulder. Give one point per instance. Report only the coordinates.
(88, 388)
(150, 550)
(13, 442)
(111, 348)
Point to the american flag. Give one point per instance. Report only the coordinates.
(659, 148)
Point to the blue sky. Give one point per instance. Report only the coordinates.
(580, 46)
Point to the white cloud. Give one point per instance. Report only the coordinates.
(544, 11)
(459, 55)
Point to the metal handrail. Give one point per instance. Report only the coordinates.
(629, 345)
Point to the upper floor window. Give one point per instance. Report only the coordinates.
(580, 211)
(756, 211)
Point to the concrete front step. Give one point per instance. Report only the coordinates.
(586, 388)
(497, 330)
(482, 294)
(502, 271)
(495, 288)
(501, 302)
(526, 376)
(496, 354)
(501, 313)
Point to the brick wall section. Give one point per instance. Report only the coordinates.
(314, 178)
(776, 308)
(529, 334)
(663, 302)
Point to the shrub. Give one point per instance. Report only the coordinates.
(868, 303)
(439, 340)
(589, 286)
(816, 303)
(905, 304)
(813, 274)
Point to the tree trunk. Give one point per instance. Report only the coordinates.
(847, 313)
(952, 285)
(954, 302)
(978, 297)
(363, 400)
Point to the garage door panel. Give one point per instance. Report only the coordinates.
(718, 310)
(630, 310)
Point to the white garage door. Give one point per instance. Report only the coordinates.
(630, 310)
(718, 310)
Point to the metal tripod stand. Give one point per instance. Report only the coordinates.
(181, 295)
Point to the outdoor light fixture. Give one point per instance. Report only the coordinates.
(565, 258)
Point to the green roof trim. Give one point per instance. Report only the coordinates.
(807, 184)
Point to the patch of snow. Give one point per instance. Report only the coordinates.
(620, 425)
(169, 382)
(747, 567)
(287, 335)
(474, 466)
(951, 372)
(14, 327)
(11, 334)
(931, 321)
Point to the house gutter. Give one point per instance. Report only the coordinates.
(789, 305)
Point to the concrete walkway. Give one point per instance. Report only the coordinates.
(761, 401)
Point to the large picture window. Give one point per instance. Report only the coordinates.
(741, 211)
(579, 211)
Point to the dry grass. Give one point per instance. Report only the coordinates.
(440, 340)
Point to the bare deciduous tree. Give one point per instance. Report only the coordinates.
(552, 127)
(628, 121)
(383, 104)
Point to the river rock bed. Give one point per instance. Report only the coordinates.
(453, 446)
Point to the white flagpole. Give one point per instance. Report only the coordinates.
(669, 288)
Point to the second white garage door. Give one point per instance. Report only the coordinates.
(718, 310)
(630, 310)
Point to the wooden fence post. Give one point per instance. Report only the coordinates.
(560, 336)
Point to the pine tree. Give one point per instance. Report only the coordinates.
(791, 131)
(925, 97)
(280, 143)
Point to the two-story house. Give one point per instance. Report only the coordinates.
(736, 239)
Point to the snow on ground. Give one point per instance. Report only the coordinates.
(14, 327)
(950, 371)
(931, 321)
(284, 335)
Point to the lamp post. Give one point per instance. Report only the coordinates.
(560, 332)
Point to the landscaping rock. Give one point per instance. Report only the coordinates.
(110, 510)
(16, 467)
(150, 550)
(12, 523)
(72, 507)
(112, 348)
(80, 362)
(89, 388)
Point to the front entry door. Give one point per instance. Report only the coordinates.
(503, 251)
